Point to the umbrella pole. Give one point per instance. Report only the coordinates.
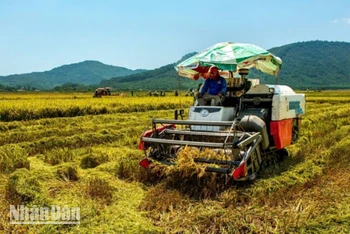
(178, 88)
(276, 80)
(231, 78)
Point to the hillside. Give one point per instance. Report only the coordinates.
(163, 78)
(87, 73)
(313, 64)
(306, 65)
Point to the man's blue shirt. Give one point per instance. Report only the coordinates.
(213, 87)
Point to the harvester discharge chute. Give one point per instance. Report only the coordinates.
(253, 122)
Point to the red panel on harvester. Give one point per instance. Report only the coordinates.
(282, 132)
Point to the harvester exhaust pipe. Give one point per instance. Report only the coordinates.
(255, 124)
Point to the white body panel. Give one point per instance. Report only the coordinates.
(286, 104)
(210, 113)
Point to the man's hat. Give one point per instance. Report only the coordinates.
(213, 68)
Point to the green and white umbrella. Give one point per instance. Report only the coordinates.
(228, 56)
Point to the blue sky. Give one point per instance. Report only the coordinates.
(38, 35)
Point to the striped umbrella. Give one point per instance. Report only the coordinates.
(229, 57)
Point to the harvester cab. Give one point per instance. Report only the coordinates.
(253, 123)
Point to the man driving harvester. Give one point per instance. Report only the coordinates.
(214, 88)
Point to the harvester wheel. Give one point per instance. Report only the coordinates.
(273, 157)
(295, 134)
(281, 154)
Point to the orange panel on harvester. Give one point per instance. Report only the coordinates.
(282, 132)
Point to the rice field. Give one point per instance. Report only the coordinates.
(79, 151)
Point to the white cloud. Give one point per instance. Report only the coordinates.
(342, 20)
(346, 20)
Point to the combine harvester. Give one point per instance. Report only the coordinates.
(253, 124)
(99, 92)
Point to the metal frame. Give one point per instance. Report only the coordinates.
(248, 142)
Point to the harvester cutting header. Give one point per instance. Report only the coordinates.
(251, 123)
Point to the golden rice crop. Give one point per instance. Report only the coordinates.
(23, 108)
(72, 149)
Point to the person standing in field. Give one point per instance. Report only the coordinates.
(214, 88)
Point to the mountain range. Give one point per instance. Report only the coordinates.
(86, 73)
(312, 64)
